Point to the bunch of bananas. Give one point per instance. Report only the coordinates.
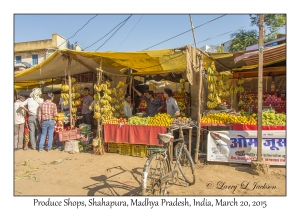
(181, 105)
(211, 104)
(106, 97)
(212, 79)
(97, 107)
(224, 77)
(210, 71)
(241, 81)
(65, 88)
(212, 88)
(116, 99)
(97, 115)
(107, 82)
(97, 97)
(235, 90)
(74, 110)
(226, 94)
(65, 103)
(65, 96)
(101, 87)
(241, 103)
(76, 102)
(182, 81)
(102, 107)
(225, 87)
(121, 84)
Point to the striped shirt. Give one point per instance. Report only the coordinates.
(47, 111)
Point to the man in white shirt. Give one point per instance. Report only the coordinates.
(33, 104)
(127, 106)
(19, 123)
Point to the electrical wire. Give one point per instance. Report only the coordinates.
(115, 32)
(184, 32)
(129, 33)
(105, 35)
(78, 30)
(220, 34)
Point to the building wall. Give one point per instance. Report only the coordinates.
(27, 56)
(60, 41)
(43, 48)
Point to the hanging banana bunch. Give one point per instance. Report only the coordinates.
(102, 107)
(65, 87)
(213, 87)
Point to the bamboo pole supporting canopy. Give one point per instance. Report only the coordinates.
(199, 110)
(260, 87)
(70, 92)
(99, 125)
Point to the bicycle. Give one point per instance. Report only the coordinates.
(155, 179)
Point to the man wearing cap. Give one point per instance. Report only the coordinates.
(86, 102)
(19, 123)
(47, 112)
(32, 109)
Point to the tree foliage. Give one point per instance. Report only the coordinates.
(242, 39)
(220, 48)
(271, 21)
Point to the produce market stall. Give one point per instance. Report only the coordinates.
(109, 91)
(232, 106)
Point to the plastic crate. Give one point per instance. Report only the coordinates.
(69, 135)
(139, 150)
(112, 148)
(124, 149)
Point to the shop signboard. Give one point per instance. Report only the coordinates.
(241, 146)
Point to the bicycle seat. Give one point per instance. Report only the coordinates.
(166, 138)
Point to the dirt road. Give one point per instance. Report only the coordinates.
(57, 173)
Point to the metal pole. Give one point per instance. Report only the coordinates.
(260, 87)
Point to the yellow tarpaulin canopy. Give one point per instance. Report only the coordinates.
(144, 62)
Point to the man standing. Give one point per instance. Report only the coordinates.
(127, 106)
(86, 102)
(154, 105)
(19, 123)
(47, 112)
(171, 103)
(64, 108)
(32, 109)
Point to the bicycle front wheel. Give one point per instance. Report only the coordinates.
(155, 167)
(186, 165)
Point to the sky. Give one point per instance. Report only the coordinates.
(123, 32)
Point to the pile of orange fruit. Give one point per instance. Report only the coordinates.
(225, 118)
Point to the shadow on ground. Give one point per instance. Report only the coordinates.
(108, 186)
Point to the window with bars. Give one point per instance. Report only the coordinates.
(18, 59)
(34, 59)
